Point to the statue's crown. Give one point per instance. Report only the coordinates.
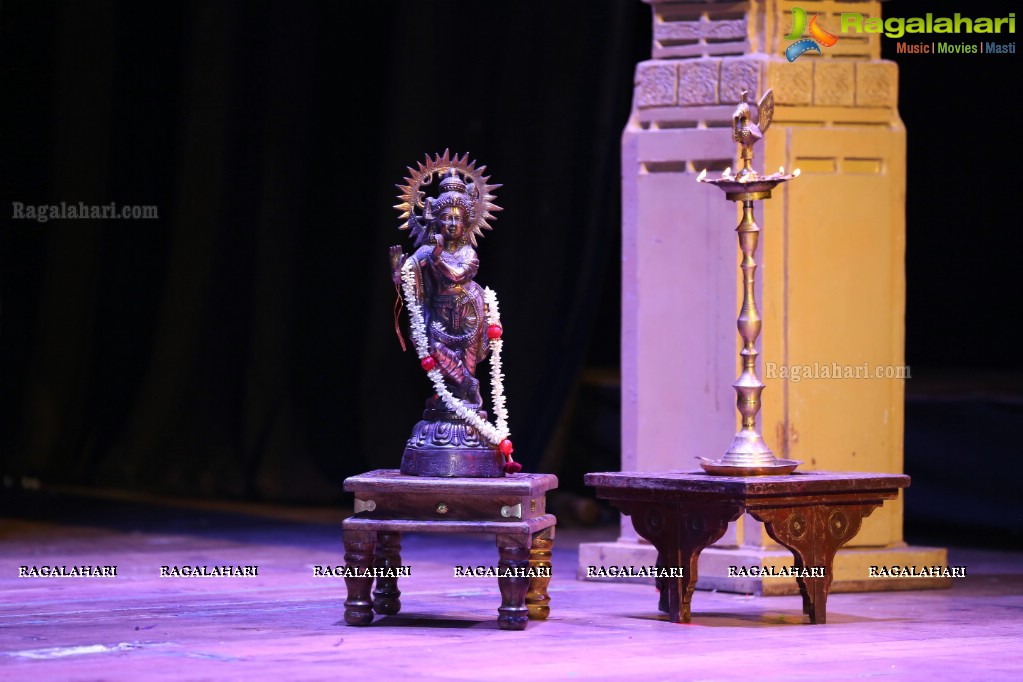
(453, 192)
(452, 182)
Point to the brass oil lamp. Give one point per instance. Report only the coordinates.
(749, 455)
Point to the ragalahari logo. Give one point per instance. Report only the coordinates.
(804, 45)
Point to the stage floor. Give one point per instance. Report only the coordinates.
(285, 623)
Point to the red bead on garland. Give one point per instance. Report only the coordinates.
(506, 449)
(494, 331)
(428, 363)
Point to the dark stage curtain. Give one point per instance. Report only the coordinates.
(242, 344)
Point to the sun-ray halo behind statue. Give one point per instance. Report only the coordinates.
(454, 323)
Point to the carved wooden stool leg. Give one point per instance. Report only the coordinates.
(388, 556)
(698, 527)
(680, 532)
(537, 599)
(359, 546)
(657, 524)
(803, 591)
(813, 534)
(513, 611)
(661, 585)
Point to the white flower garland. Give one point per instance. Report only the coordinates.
(492, 433)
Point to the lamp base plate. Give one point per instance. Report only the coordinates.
(776, 468)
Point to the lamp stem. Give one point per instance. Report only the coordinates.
(748, 447)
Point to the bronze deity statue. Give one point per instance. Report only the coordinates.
(454, 322)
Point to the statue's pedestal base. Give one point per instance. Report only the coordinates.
(443, 445)
(851, 567)
(446, 463)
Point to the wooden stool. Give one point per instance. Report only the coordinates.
(812, 514)
(388, 503)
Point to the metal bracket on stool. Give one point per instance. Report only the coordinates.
(364, 505)
(515, 511)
